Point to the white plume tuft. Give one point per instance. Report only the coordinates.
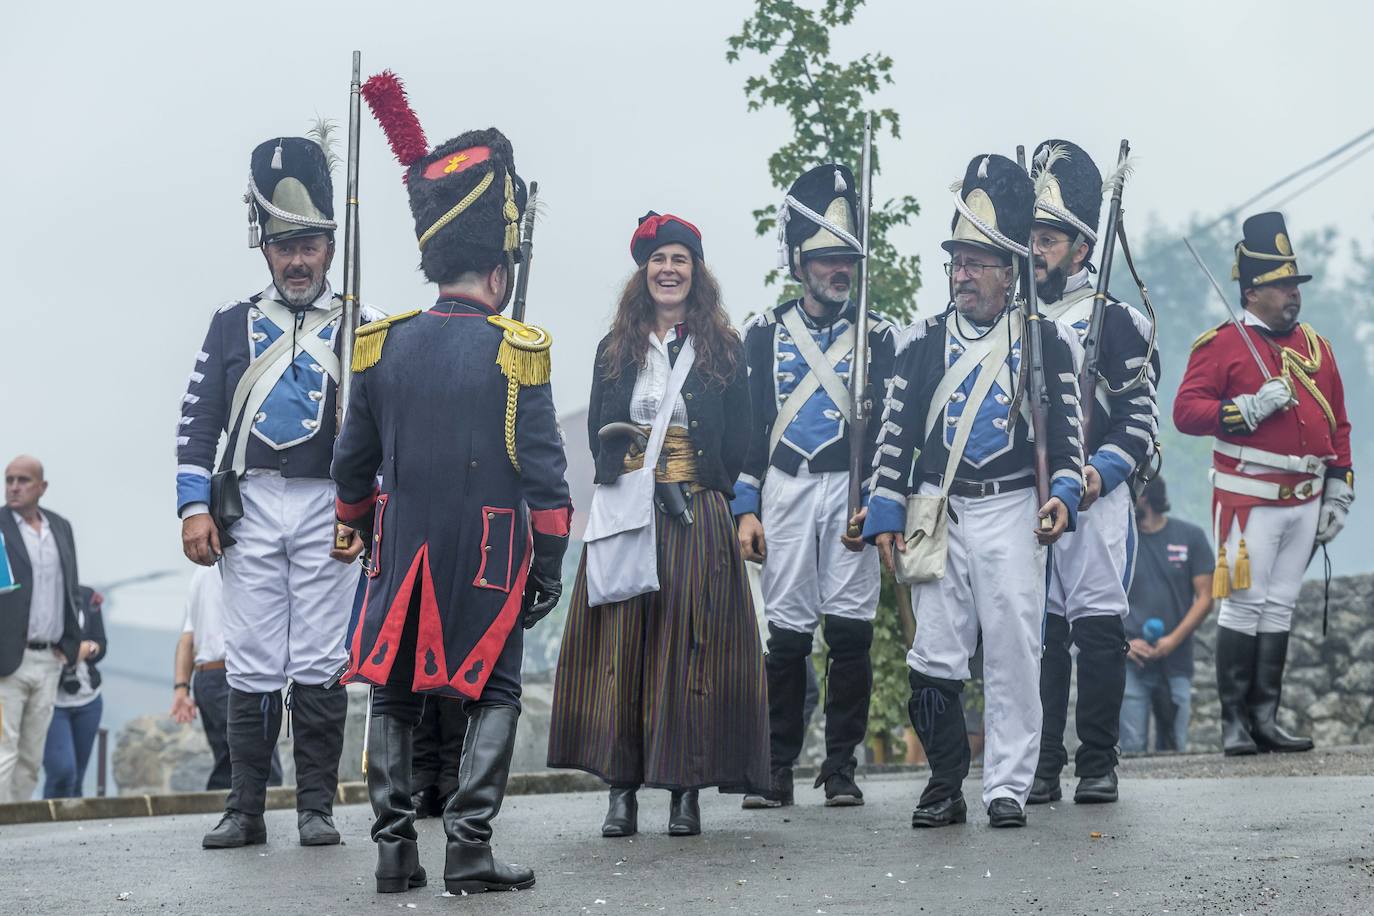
(1117, 178)
(983, 167)
(957, 185)
(840, 186)
(1044, 162)
(323, 132)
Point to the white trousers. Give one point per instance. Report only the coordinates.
(1091, 568)
(994, 580)
(26, 703)
(808, 572)
(1279, 540)
(286, 603)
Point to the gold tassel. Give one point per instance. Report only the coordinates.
(1221, 578)
(368, 340)
(1240, 581)
(512, 215)
(524, 367)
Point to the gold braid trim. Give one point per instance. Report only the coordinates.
(512, 215)
(368, 340)
(459, 207)
(1302, 368)
(525, 360)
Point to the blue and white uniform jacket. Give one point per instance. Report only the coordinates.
(292, 428)
(1126, 423)
(1000, 446)
(819, 434)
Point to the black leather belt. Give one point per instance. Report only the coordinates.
(38, 646)
(977, 489)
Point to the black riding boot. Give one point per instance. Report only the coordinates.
(317, 717)
(468, 865)
(390, 751)
(1235, 661)
(1056, 667)
(937, 713)
(848, 687)
(788, 655)
(253, 725)
(1101, 642)
(1271, 652)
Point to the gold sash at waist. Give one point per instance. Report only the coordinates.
(677, 462)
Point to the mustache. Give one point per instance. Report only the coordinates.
(1041, 263)
(965, 288)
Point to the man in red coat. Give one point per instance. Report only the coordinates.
(1282, 475)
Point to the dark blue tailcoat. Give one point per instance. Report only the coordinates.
(452, 516)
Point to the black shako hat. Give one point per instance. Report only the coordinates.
(819, 216)
(656, 230)
(993, 207)
(1068, 189)
(467, 202)
(289, 191)
(1265, 254)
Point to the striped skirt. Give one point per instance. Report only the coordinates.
(667, 690)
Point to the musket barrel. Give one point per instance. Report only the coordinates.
(1092, 340)
(522, 283)
(349, 324)
(858, 370)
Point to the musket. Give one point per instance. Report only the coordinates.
(1092, 340)
(861, 407)
(343, 535)
(1039, 400)
(522, 283)
(1231, 313)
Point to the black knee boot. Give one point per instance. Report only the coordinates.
(848, 687)
(788, 655)
(317, 719)
(937, 713)
(1102, 650)
(253, 725)
(468, 864)
(390, 749)
(1271, 652)
(1235, 662)
(1056, 667)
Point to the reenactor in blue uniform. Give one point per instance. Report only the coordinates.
(452, 407)
(791, 501)
(267, 375)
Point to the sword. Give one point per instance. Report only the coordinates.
(1231, 313)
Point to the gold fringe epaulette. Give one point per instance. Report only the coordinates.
(1206, 336)
(368, 340)
(525, 360)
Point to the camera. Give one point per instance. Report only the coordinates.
(68, 681)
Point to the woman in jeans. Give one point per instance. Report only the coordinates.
(77, 709)
(666, 689)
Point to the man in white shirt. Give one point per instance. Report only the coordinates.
(201, 650)
(39, 628)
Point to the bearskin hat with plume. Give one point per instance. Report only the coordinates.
(999, 193)
(1067, 179)
(465, 196)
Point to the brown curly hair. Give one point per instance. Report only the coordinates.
(714, 339)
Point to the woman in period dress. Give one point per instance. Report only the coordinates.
(666, 690)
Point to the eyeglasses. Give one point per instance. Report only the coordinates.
(1048, 242)
(972, 268)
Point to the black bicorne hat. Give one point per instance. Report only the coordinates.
(1265, 255)
(289, 192)
(993, 207)
(830, 195)
(1068, 189)
(467, 202)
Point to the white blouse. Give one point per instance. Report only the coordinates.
(652, 381)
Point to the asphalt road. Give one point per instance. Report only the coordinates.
(1245, 844)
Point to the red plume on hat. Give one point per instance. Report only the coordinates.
(386, 96)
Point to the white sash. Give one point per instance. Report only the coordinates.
(975, 353)
(621, 536)
(822, 366)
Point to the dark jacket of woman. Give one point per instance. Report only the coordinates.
(718, 419)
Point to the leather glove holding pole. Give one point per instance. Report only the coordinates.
(1337, 497)
(544, 586)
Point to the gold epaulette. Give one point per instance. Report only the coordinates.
(525, 360)
(1206, 336)
(368, 340)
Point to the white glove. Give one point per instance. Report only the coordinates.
(1336, 499)
(1273, 396)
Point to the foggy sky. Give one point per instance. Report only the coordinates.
(128, 129)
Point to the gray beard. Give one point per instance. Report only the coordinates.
(305, 298)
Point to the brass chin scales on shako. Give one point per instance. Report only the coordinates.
(793, 492)
(1266, 386)
(452, 408)
(268, 375)
(1092, 565)
(962, 525)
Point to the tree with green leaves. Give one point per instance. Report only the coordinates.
(827, 101)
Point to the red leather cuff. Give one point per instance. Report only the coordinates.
(557, 522)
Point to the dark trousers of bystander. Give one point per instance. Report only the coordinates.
(211, 692)
(68, 748)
